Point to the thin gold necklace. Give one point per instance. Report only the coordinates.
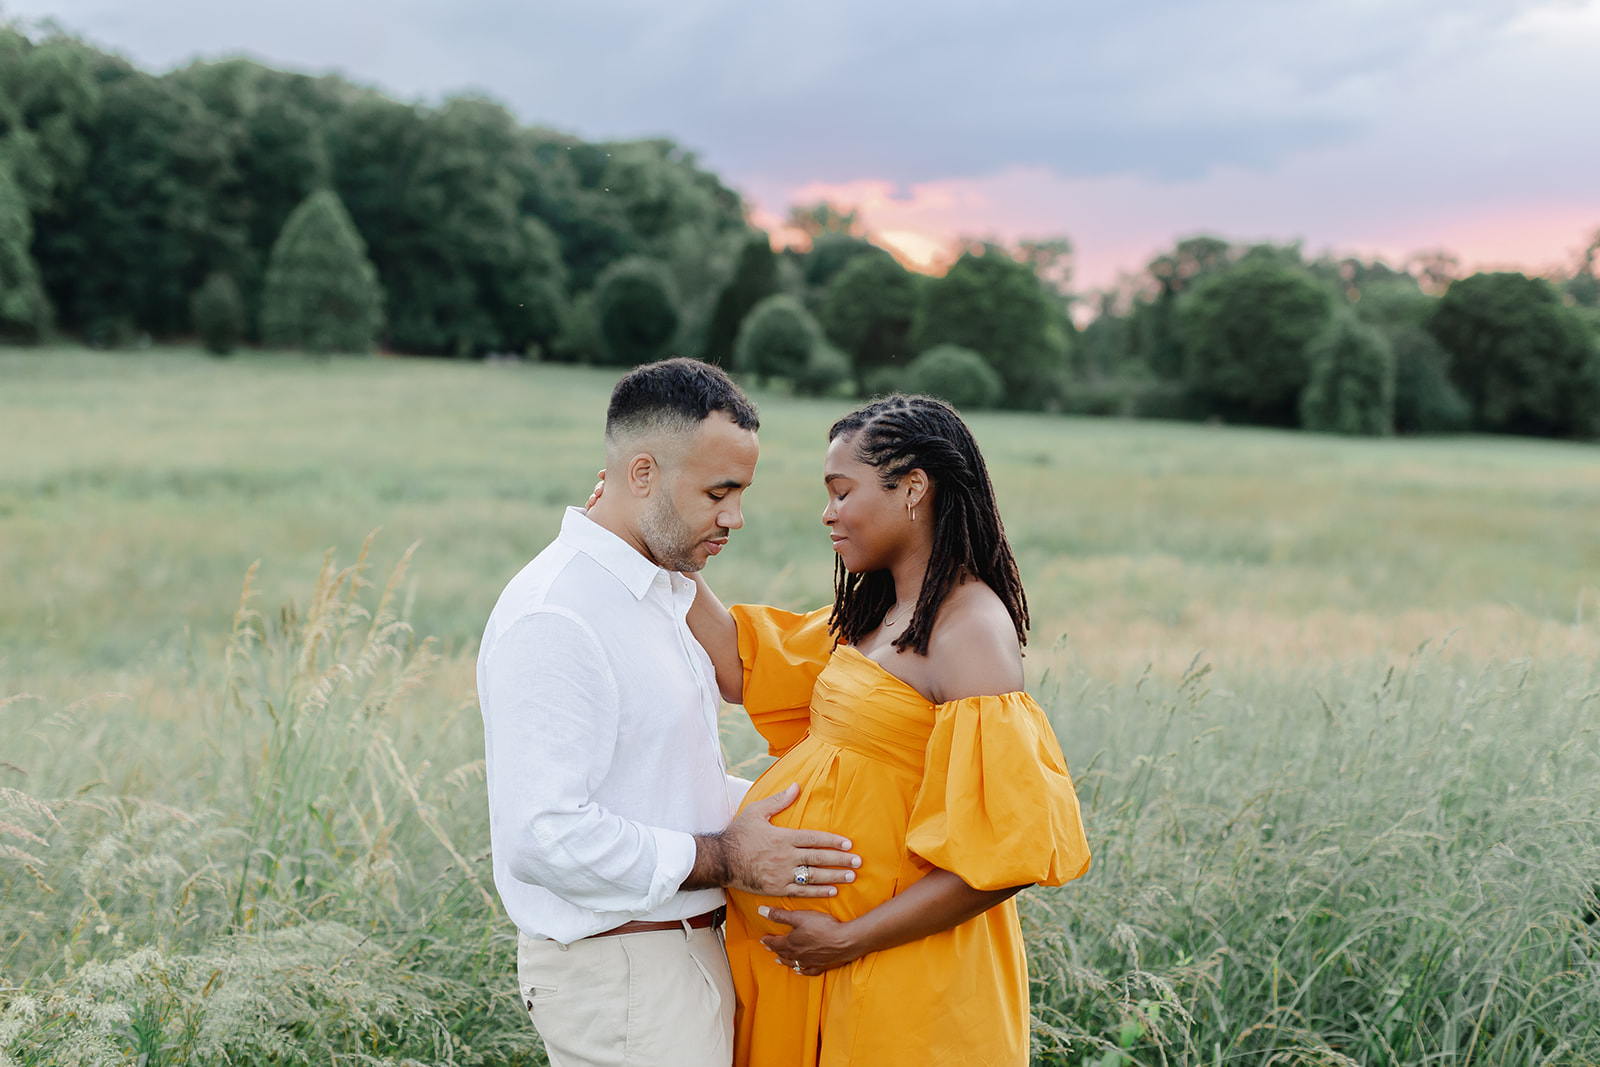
(887, 622)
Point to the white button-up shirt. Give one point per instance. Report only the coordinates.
(600, 736)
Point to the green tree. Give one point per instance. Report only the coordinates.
(1153, 320)
(813, 220)
(831, 253)
(440, 195)
(1352, 380)
(1051, 260)
(1105, 347)
(1360, 280)
(217, 312)
(869, 310)
(776, 339)
(754, 279)
(662, 190)
(1592, 316)
(24, 308)
(997, 307)
(1583, 288)
(1425, 401)
(608, 201)
(282, 160)
(1525, 363)
(701, 262)
(955, 374)
(563, 188)
(1434, 271)
(48, 100)
(825, 370)
(276, 125)
(635, 310)
(1245, 332)
(137, 235)
(483, 232)
(321, 292)
(1394, 302)
(580, 340)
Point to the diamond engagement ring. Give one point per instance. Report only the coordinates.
(802, 875)
(797, 969)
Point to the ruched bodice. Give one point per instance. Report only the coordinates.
(975, 786)
(861, 708)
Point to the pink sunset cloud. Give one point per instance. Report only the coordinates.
(1118, 224)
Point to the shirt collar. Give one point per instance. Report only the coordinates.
(624, 561)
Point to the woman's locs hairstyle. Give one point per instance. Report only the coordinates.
(898, 434)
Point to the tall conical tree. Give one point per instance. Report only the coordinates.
(24, 309)
(321, 292)
(754, 279)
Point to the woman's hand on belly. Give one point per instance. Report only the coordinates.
(934, 903)
(816, 942)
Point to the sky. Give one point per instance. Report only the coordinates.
(1371, 127)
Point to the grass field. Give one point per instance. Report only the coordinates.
(1328, 702)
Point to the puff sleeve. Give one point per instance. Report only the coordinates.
(782, 653)
(997, 806)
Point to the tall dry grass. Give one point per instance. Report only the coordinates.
(298, 877)
(1367, 865)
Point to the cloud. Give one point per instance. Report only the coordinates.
(1488, 151)
(904, 89)
(1360, 123)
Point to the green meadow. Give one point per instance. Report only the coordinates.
(1328, 702)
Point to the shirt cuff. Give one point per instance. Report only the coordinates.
(675, 853)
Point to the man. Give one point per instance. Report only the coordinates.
(610, 810)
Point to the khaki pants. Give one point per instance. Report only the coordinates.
(662, 999)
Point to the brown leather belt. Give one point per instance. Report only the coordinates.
(699, 922)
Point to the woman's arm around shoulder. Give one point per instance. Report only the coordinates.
(713, 626)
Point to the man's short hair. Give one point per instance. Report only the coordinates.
(675, 394)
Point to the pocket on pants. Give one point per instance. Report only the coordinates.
(676, 1014)
(533, 996)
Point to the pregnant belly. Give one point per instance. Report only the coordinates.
(848, 794)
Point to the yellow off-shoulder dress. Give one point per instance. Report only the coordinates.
(975, 786)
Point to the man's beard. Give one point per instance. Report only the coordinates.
(669, 538)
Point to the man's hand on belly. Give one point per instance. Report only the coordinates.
(757, 857)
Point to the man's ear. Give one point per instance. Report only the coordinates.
(644, 474)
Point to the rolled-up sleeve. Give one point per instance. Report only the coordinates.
(550, 727)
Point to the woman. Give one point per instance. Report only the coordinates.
(900, 712)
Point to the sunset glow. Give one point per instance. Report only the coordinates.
(1118, 224)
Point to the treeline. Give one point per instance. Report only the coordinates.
(1260, 334)
(132, 205)
(247, 205)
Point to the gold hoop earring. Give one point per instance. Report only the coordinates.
(912, 510)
